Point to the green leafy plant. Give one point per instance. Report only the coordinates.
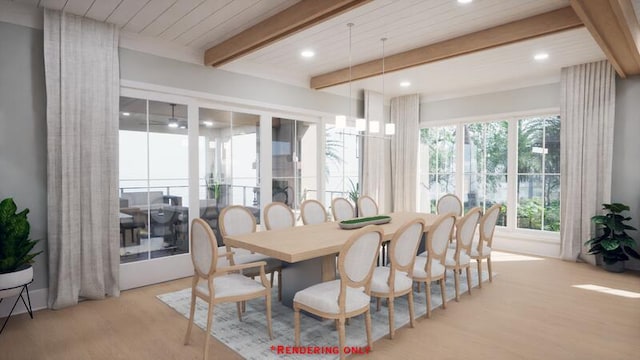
(15, 245)
(612, 240)
(354, 192)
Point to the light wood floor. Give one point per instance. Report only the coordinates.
(530, 311)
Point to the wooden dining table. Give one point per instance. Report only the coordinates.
(310, 250)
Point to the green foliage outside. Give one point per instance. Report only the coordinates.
(15, 245)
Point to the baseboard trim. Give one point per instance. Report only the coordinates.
(38, 302)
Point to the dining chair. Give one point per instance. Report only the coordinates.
(430, 267)
(348, 296)
(238, 220)
(395, 280)
(367, 206)
(277, 215)
(482, 249)
(449, 203)
(215, 284)
(341, 209)
(460, 258)
(313, 212)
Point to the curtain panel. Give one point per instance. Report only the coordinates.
(587, 105)
(405, 114)
(376, 177)
(82, 85)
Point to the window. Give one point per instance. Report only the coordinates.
(342, 162)
(153, 180)
(437, 165)
(485, 166)
(514, 162)
(539, 173)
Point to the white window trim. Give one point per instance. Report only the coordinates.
(511, 230)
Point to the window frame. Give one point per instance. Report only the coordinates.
(511, 230)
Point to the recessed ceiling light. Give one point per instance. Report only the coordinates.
(464, 1)
(307, 54)
(125, 114)
(208, 123)
(405, 84)
(541, 56)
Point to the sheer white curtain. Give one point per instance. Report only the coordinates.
(82, 84)
(376, 164)
(405, 114)
(587, 105)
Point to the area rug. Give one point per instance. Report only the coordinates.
(249, 338)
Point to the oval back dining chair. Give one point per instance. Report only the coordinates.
(482, 250)
(277, 215)
(430, 267)
(215, 284)
(449, 203)
(238, 220)
(341, 209)
(396, 280)
(348, 296)
(367, 206)
(460, 258)
(313, 212)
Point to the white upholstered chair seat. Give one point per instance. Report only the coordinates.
(379, 282)
(485, 250)
(437, 269)
(324, 297)
(464, 258)
(231, 285)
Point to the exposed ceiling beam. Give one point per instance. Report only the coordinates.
(298, 17)
(614, 26)
(539, 25)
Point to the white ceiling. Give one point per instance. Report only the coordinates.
(195, 25)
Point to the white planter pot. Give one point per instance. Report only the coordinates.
(15, 280)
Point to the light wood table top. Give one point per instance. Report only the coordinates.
(311, 241)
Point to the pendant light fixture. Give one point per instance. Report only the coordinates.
(173, 122)
(390, 128)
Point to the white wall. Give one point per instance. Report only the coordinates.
(626, 148)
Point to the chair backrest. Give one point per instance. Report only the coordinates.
(449, 203)
(438, 236)
(488, 225)
(204, 249)
(465, 230)
(404, 246)
(342, 209)
(357, 260)
(367, 206)
(313, 212)
(277, 215)
(236, 220)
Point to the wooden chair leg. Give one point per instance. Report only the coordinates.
(392, 327)
(208, 332)
(479, 261)
(418, 287)
(296, 325)
(267, 299)
(367, 322)
(341, 337)
(192, 311)
(456, 277)
(427, 289)
(377, 304)
(239, 307)
(489, 269)
(411, 310)
(469, 278)
(443, 291)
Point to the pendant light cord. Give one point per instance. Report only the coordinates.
(350, 25)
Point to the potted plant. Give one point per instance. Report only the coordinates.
(354, 194)
(612, 241)
(15, 249)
